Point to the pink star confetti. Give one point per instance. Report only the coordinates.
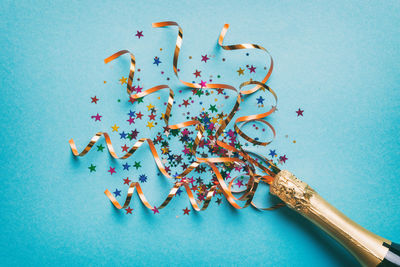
(299, 112)
(139, 34)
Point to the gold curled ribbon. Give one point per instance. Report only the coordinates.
(251, 187)
(246, 46)
(132, 68)
(259, 85)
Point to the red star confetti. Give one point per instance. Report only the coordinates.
(186, 211)
(299, 112)
(127, 181)
(94, 99)
(129, 210)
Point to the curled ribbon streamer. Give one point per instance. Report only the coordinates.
(243, 119)
(132, 68)
(171, 194)
(246, 46)
(248, 193)
(226, 86)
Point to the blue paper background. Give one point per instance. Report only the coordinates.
(338, 61)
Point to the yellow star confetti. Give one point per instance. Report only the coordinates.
(149, 107)
(240, 71)
(115, 128)
(150, 125)
(123, 80)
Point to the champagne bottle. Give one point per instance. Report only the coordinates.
(368, 248)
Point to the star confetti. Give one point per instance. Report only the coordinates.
(139, 34)
(299, 112)
(144, 117)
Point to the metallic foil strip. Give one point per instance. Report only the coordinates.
(132, 67)
(254, 179)
(226, 86)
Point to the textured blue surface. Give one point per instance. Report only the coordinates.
(338, 61)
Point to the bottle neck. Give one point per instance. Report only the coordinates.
(366, 246)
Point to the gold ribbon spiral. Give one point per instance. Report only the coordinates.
(248, 193)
